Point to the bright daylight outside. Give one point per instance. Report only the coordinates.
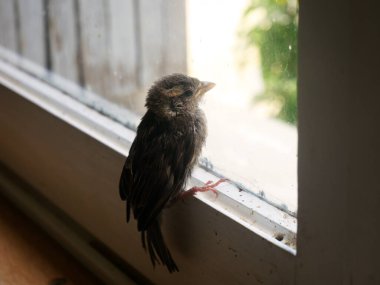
(249, 49)
(108, 53)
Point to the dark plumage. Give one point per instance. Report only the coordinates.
(167, 146)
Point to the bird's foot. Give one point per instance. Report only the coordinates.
(209, 186)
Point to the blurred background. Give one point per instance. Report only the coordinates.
(107, 54)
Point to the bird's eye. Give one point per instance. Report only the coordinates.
(188, 93)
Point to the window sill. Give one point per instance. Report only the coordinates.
(239, 208)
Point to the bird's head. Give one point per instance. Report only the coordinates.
(176, 94)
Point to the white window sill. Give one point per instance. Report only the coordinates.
(254, 214)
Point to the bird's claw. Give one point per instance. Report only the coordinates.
(209, 186)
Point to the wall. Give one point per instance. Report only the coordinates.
(339, 199)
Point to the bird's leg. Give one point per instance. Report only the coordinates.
(209, 186)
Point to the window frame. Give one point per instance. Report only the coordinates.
(337, 241)
(265, 224)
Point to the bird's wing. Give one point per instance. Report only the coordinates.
(125, 180)
(155, 171)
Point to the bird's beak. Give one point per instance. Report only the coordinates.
(205, 86)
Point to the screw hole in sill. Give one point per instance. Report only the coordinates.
(279, 237)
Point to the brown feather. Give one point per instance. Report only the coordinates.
(167, 146)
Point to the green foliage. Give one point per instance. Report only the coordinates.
(275, 34)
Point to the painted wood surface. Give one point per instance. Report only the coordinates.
(63, 35)
(112, 48)
(174, 51)
(31, 19)
(94, 45)
(123, 49)
(163, 38)
(8, 33)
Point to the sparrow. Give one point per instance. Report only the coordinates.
(166, 148)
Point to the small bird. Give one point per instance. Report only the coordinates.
(168, 143)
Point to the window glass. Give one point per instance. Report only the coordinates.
(108, 53)
(249, 49)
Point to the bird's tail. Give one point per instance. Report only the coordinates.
(153, 241)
